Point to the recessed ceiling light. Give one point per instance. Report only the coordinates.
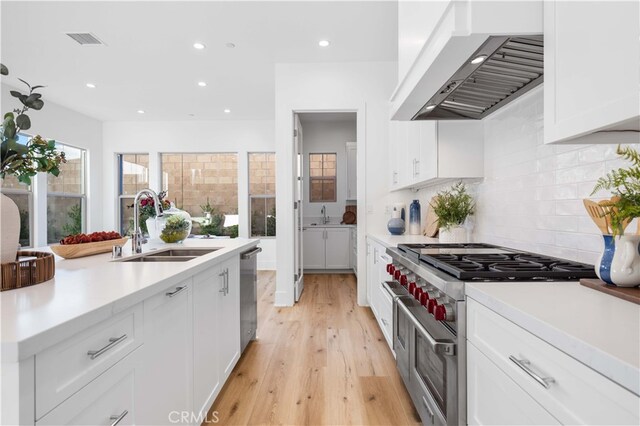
(140, 111)
(323, 43)
(198, 46)
(478, 59)
(91, 85)
(227, 110)
(192, 115)
(202, 84)
(429, 107)
(230, 45)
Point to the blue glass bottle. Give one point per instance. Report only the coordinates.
(414, 218)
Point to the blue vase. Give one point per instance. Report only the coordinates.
(603, 266)
(414, 218)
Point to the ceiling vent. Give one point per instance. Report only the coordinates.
(85, 39)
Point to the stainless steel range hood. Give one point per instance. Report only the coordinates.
(501, 70)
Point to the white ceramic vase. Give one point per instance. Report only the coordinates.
(9, 230)
(625, 266)
(455, 234)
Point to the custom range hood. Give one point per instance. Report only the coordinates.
(477, 55)
(502, 69)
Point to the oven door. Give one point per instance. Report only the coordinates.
(433, 369)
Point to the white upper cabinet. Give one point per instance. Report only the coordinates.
(424, 153)
(591, 71)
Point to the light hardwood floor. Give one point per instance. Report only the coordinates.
(323, 361)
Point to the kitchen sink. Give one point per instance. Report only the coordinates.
(193, 252)
(160, 259)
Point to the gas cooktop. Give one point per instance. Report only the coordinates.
(486, 262)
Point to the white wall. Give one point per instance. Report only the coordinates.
(328, 137)
(154, 138)
(363, 87)
(72, 128)
(531, 197)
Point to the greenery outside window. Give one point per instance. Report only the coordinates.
(22, 195)
(133, 175)
(322, 177)
(262, 194)
(66, 196)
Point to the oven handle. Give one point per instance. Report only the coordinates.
(438, 346)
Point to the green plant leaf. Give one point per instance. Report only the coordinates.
(55, 171)
(37, 104)
(28, 85)
(25, 179)
(23, 122)
(37, 87)
(34, 96)
(15, 93)
(4, 70)
(9, 126)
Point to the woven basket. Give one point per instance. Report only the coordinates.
(24, 273)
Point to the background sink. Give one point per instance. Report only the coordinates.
(160, 259)
(173, 252)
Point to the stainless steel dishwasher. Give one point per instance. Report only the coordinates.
(248, 296)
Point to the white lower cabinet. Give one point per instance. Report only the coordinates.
(327, 248)
(530, 373)
(166, 385)
(108, 399)
(379, 300)
(229, 319)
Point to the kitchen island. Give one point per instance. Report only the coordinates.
(162, 334)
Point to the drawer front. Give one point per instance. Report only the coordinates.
(105, 401)
(567, 389)
(66, 367)
(384, 310)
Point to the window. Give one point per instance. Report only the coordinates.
(66, 198)
(262, 194)
(22, 195)
(206, 186)
(322, 177)
(133, 175)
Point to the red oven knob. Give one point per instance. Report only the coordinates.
(389, 265)
(443, 313)
(417, 293)
(412, 287)
(403, 280)
(392, 269)
(431, 305)
(396, 274)
(424, 298)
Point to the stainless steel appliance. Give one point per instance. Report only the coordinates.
(248, 296)
(426, 283)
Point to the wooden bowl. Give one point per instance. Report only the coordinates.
(349, 218)
(72, 251)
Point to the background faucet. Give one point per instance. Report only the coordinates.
(136, 237)
(325, 218)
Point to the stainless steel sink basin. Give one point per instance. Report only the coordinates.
(160, 259)
(173, 252)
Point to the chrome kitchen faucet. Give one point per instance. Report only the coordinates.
(136, 237)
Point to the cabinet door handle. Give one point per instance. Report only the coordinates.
(545, 382)
(118, 418)
(176, 291)
(226, 281)
(112, 342)
(416, 167)
(223, 290)
(429, 410)
(384, 321)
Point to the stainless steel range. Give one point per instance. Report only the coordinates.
(426, 283)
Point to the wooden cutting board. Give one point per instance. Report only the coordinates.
(431, 221)
(630, 294)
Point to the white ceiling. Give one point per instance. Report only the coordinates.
(149, 62)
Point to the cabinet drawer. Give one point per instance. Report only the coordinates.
(573, 393)
(103, 401)
(64, 368)
(384, 308)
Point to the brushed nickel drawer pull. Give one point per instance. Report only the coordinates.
(524, 365)
(176, 291)
(112, 342)
(429, 410)
(118, 418)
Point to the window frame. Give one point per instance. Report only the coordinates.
(119, 186)
(323, 178)
(259, 196)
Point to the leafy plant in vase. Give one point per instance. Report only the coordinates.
(22, 161)
(620, 262)
(453, 206)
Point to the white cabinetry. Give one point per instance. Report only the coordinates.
(591, 78)
(534, 373)
(354, 249)
(166, 385)
(423, 153)
(379, 300)
(216, 305)
(327, 248)
(352, 171)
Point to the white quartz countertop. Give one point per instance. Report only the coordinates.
(599, 330)
(389, 240)
(88, 290)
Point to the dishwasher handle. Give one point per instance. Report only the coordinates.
(249, 254)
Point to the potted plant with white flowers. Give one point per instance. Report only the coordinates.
(22, 161)
(453, 206)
